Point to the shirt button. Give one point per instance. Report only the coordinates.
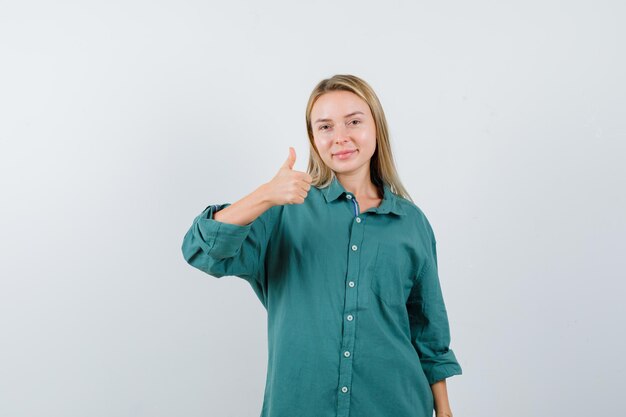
(349, 317)
(344, 389)
(346, 354)
(358, 220)
(353, 247)
(351, 284)
(349, 196)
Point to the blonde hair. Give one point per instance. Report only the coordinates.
(382, 166)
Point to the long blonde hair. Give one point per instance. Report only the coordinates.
(382, 166)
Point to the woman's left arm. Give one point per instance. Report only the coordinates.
(440, 395)
(430, 330)
(428, 321)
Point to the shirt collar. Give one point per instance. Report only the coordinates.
(390, 201)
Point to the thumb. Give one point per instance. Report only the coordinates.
(291, 159)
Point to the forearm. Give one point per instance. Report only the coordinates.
(440, 395)
(245, 210)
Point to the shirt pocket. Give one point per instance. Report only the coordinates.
(392, 279)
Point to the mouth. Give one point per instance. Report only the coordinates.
(345, 154)
(346, 151)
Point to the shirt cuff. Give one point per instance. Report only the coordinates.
(219, 240)
(440, 367)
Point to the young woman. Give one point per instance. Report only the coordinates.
(345, 265)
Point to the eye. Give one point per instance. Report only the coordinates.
(355, 121)
(323, 126)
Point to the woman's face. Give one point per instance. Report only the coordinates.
(342, 121)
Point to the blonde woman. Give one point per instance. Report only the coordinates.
(345, 265)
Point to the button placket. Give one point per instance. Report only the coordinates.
(350, 307)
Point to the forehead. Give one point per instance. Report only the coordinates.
(336, 104)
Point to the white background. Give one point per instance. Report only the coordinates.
(120, 121)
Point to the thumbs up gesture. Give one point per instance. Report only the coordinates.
(288, 185)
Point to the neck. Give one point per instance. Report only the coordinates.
(359, 184)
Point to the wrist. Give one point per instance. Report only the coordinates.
(263, 196)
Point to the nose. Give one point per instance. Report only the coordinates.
(341, 134)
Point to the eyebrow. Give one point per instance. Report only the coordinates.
(345, 117)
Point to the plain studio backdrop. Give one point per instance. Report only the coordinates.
(120, 121)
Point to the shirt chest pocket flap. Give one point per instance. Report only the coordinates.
(392, 278)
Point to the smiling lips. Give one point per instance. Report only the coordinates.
(345, 154)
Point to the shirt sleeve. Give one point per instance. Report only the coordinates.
(430, 332)
(225, 249)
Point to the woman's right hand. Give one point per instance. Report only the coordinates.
(288, 185)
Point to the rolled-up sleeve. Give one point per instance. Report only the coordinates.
(225, 249)
(430, 332)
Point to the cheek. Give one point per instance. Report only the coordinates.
(322, 144)
(367, 140)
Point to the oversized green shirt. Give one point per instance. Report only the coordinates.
(357, 325)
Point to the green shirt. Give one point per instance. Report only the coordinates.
(357, 324)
